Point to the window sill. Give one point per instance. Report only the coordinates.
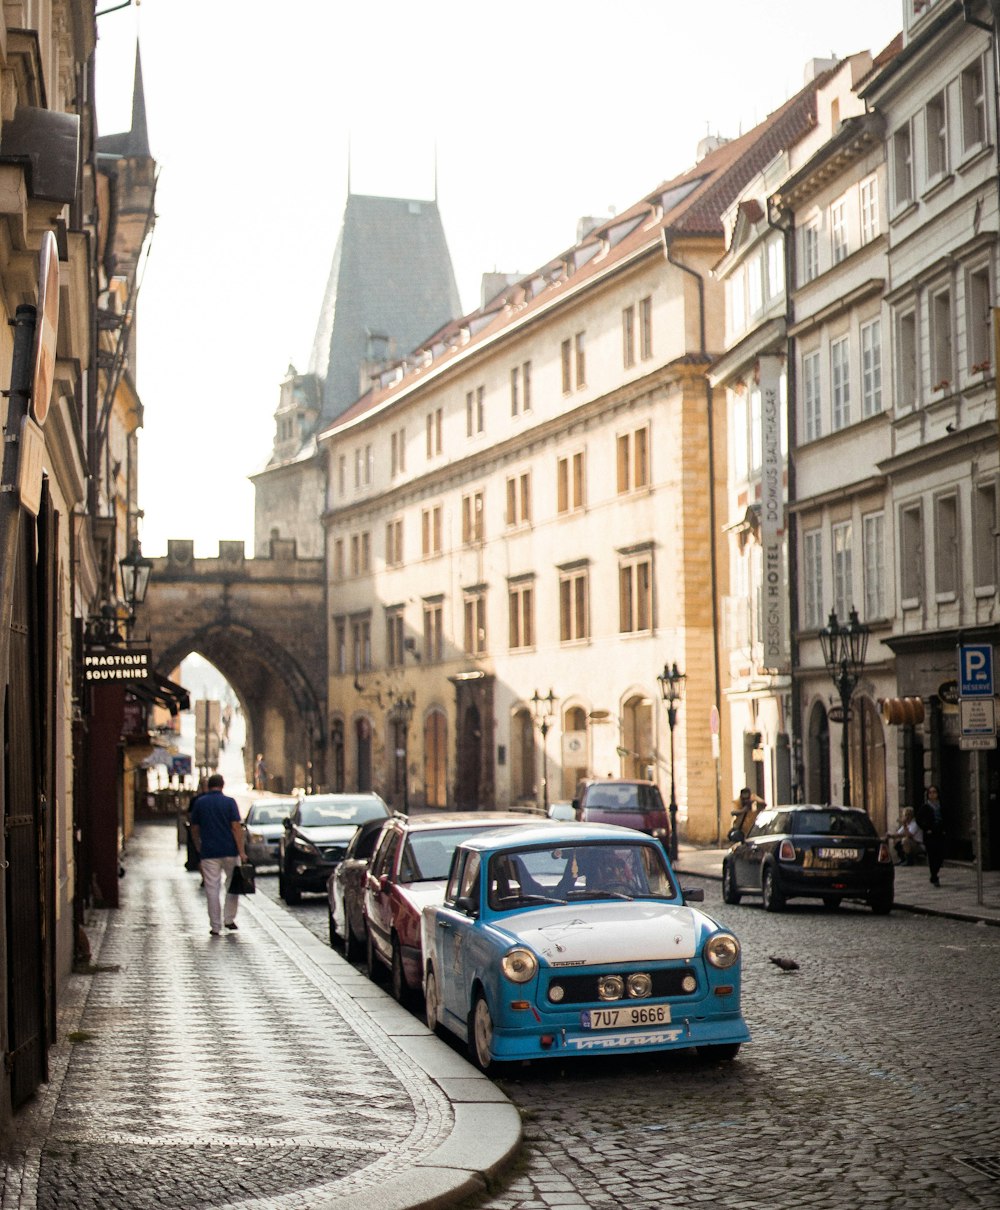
(937, 185)
(975, 155)
(984, 591)
(945, 598)
(909, 603)
(903, 211)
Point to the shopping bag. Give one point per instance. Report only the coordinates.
(242, 881)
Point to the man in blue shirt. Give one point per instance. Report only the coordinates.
(217, 833)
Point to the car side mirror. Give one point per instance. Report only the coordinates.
(693, 894)
(286, 823)
(465, 903)
(735, 835)
(576, 804)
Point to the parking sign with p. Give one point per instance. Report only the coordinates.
(975, 670)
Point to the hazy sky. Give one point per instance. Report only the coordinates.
(538, 114)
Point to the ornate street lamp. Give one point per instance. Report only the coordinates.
(135, 571)
(544, 708)
(401, 713)
(844, 651)
(672, 689)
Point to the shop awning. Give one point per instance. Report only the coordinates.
(158, 690)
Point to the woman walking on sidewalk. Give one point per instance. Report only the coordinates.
(931, 820)
(217, 832)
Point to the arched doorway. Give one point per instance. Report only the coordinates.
(818, 756)
(363, 754)
(866, 739)
(637, 738)
(576, 749)
(522, 743)
(470, 764)
(436, 759)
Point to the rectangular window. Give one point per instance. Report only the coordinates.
(936, 128)
(430, 531)
(840, 383)
(566, 353)
(812, 579)
(635, 594)
(902, 166)
(906, 364)
(973, 106)
(515, 390)
(646, 327)
(475, 622)
(521, 607)
(911, 556)
(519, 499)
(526, 386)
(737, 301)
(342, 474)
(394, 638)
(755, 284)
(397, 452)
(843, 572)
(941, 361)
(628, 337)
(580, 351)
(946, 546)
(469, 399)
(873, 537)
(394, 542)
(810, 252)
(475, 411)
(573, 606)
(361, 644)
(472, 518)
(838, 231)
(338, 558)
(869, 209)
(433, 631)
(435, 422)
(979, 320)
(811, 399)
(366, 552)
(775, 268)
(871, 368)
(633, 460)
(984, 539)
(340, 646)
(570, 483)
(355, 554)
(359, 466)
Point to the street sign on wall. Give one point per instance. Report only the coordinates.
(975, 670)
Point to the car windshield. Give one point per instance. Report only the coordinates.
(329, 813)
(832, 823)
(427, 855)
(270, 813)
(625, 798)
(599, 870)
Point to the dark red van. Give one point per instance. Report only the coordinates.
(631, 804)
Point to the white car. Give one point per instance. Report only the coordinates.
(263, 827)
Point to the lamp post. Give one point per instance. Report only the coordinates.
(672, 689)
(844, 651)
(544, 708)
(402, 712)
(135, 571)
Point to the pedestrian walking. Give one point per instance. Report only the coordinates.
(260, 773)
(932, 822)
(218, 836)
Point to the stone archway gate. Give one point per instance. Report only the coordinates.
(262, 623)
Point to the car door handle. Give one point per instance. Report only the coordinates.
(443, 924)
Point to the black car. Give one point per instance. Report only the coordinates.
(810, 852)
(316, 836)
(345, 890)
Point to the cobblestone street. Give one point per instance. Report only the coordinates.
(870, 1081)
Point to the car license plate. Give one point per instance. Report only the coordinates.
(838, 854)
(619, 1018)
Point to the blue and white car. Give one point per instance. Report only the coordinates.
(577, 941)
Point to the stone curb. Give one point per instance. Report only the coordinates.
(486, 1134)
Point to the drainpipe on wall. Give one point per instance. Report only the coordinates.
(712, 522)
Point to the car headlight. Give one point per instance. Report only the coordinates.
(255, 838)
(519, 965)
(304, 846)
(610, 987)
(722, 950)
(661, 833)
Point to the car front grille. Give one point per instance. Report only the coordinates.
(582, 989)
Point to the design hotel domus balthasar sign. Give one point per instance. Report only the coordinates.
(116, 663)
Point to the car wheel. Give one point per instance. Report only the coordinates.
(770, 892)
(880, 902)
(292, 894)
(724, 1053)
(729, 892)
(397, 983)
(831, 902)
(373, 967)
(432, 1004)
(481, 1034)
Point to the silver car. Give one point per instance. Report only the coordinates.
(263, 828)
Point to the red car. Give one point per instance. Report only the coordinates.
(407, 873)
(629, 803)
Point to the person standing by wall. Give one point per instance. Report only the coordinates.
(260, 773)
(930, 818)
(217, 831)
